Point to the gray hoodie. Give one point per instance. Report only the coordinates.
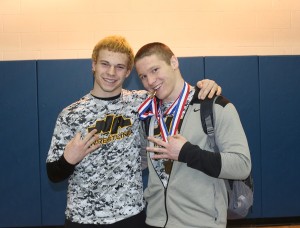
(195, 194)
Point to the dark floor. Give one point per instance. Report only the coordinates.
(293, 222)
(266, 223)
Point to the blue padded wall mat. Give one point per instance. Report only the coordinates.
(238, 77)
(34, 92)
(280, 132)
(192, 69)
(133, 82)
(19, 157)
(60, 83)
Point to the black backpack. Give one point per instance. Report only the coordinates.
(240, 192)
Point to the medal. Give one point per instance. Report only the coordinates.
(176, 110)
(168, 166)
(152, 107)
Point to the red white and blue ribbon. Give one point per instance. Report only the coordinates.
(147, 108)
(150, 108)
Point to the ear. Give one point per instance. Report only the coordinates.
(174, 62)
(93, 66)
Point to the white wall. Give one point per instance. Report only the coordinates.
(64, 29)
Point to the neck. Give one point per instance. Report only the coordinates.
(176, 91)
(106, 98)
(103, 92)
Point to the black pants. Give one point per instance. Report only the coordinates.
(136, 221)
(147, 226)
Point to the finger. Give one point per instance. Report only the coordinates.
(156, 149)
(92, 141)
(203, 94)
(206, 86)
(150, 149)
(209, 89)
(89, 136)
(159, 156)
(213, 90)
(200, 94)
(155, 140)
(77, 136)
(200, 84)
(93, 148)
(219, 91)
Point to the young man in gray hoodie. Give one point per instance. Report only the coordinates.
(186, 185)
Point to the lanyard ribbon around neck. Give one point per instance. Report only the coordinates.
(152, 107)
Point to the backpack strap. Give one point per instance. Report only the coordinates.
(240, 192)
(207, 119)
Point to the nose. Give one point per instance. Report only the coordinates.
(111, 70)
(151, 79)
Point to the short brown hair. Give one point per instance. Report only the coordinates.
(159, 49)
(114, 43)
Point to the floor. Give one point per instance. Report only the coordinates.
(275, 226)
(265, 226)
(293, 222)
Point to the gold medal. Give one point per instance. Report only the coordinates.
(168, 166)
(152, 94)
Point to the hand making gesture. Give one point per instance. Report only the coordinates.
(78, 148)
(167, 150)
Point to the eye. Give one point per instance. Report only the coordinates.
(155, 70)
(142, 77)
(121, 67)
(104, 64)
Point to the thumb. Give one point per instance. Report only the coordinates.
(177, 136)
(169, 138)
(77, 136)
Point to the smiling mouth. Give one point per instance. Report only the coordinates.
(109, 80)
